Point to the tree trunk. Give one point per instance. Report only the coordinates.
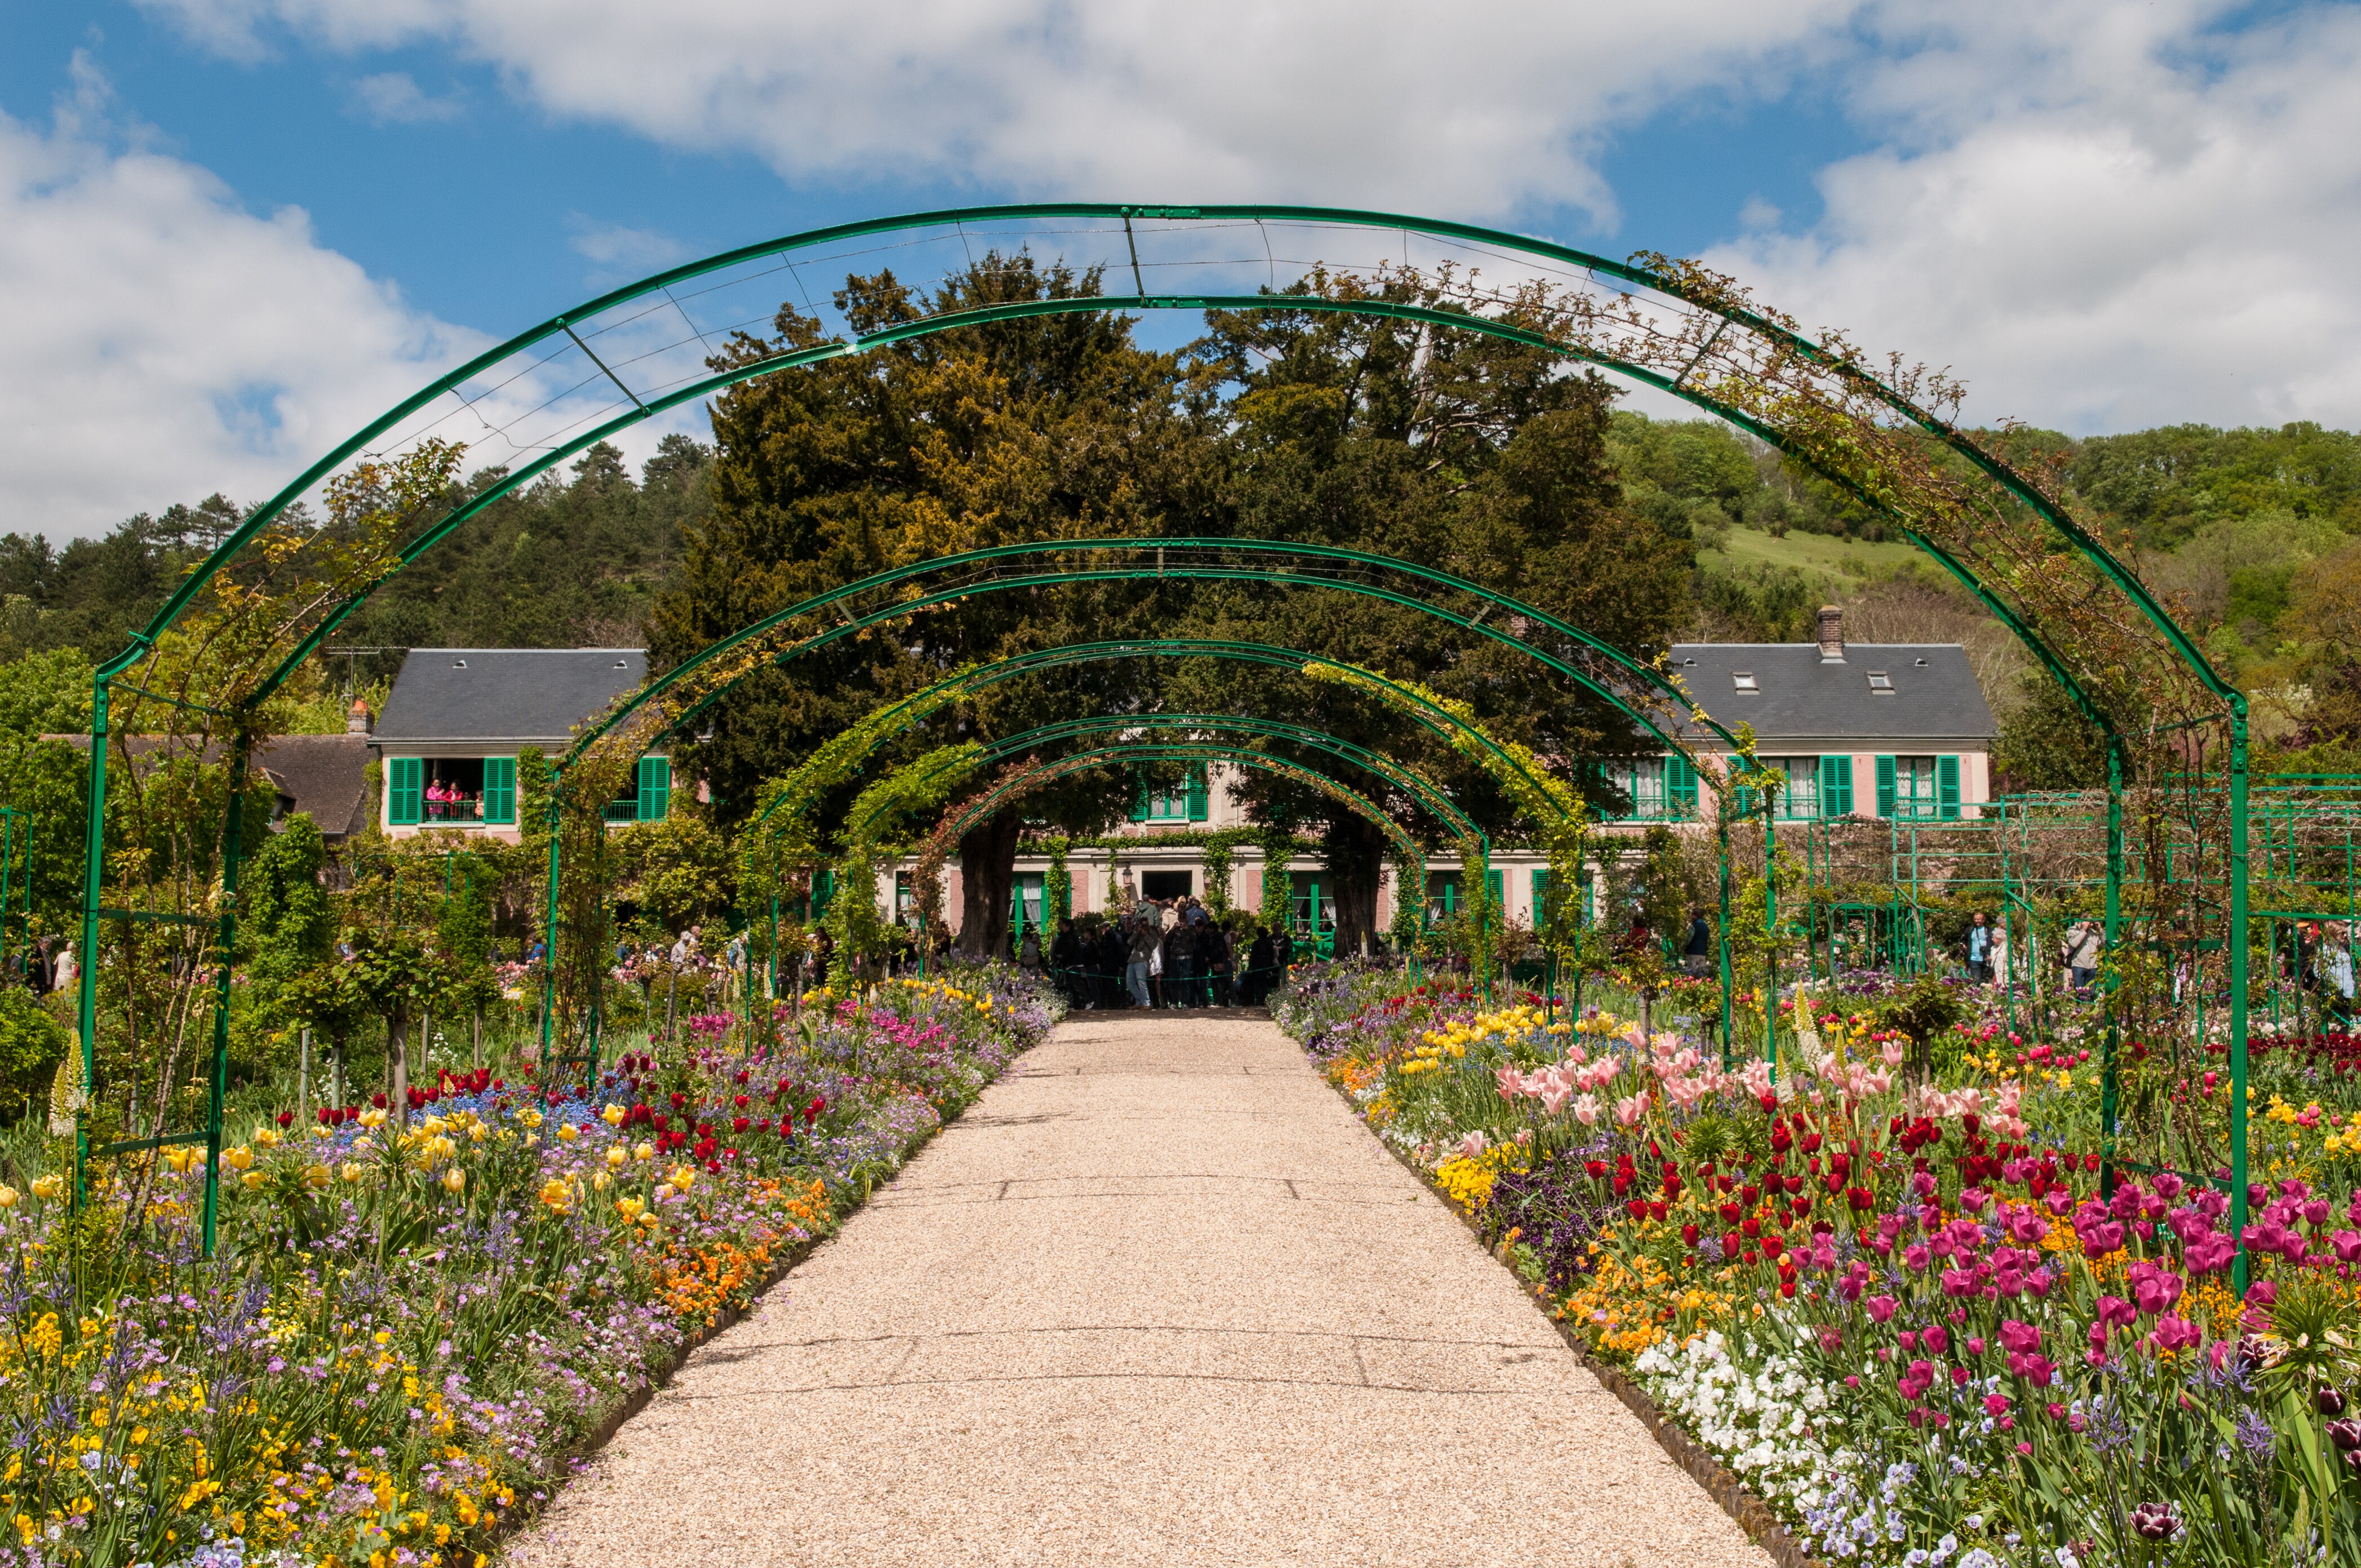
(987, 873)
(1353, 855)
(397, 1061)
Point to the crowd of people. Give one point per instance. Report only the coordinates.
(1161, 953)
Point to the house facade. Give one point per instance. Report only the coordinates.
(457, 718)
(1893, 732)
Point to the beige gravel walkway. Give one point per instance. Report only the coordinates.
(1158, 1299)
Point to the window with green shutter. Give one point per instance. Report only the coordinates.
(499, 789)
(1496, 883)
(655, 788)
(1947, 788)
(1885, 786)
(1680, 787)
(1540, 896)
(1139, 797)
(1836, 786)
(1200, 790)
(405, 791)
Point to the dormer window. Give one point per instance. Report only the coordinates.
(1743, 680)
(458, 664)
(1880, 683)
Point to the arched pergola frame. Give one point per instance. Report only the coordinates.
(1696, 336)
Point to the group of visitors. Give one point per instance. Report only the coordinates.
(1166, 953)
(2319, 963)
(46, 966)
(449, 803)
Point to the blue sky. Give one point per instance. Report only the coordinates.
(240, 226)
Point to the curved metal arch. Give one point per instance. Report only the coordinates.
(1411, 782)
(1841, 365)
(967, 816)
(721, 649)
(1439, 719)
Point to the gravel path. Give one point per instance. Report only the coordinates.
(1158, 1298)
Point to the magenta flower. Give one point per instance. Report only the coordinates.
(2020, 1338)
(1934, 1339)
(2114, 1312)
(1881, 1308)
(2347, 1245)
(2026, 1226)
(2175, 1333)
(2208, 1253)
(1917, 1257)
(1995, 1404)
(2100, 1239)
(2154, 1287)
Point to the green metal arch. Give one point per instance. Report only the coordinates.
(957, 822)
(1408, 779)
(1441, 720)
(1643, 674)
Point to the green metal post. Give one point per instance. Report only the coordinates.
(93, 890)
(1722, 829)
(2237, 873)
(1769, 938)
(2108, 1041)
(549, 934)
(233, 838)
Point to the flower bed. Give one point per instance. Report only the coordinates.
(408, 1329)
(1909, 1318)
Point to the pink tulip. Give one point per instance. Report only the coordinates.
(2155, 1289)
(1917, 1257)
(1511, 1081)
(2175, 1333)
(2347, 1245)
(1995, 1404)
(1586, 1110)
(2209, 1253)
(1937, 1340)
(1630, 1111)
(2021, 1338)
(1881, 1308)
(2114, 1312)
(2028, 1227)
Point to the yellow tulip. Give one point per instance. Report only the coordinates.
(239, 1158)
(644, 1152)
(49, 1188)
(612, 1116)
(253, 1179)
(630, 1208)
(529, 1117)
(455, 1181)
(555, 1196)
(616, 1157)
(682, 1177)
(569, 1132)
(599, 1182)
(317, 1177)
(7, 1197)
(353, 1170)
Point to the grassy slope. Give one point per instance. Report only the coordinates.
(1814, 555)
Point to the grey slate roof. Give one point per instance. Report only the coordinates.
(1935, 695)
(503, 696)
(325, 775)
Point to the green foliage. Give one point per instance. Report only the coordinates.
(677, 870)
(32, 1044)
(2165, 484)
(2045, 742)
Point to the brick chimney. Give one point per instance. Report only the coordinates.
(1831, 634)
(357, 722)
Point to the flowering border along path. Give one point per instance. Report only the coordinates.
(1907, 1318)
(412, 1323)
(1157, 1299)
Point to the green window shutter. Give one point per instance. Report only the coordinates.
(1947, 788)
(1496, 887)
(1540, 896)
(655, 789)
(1680, 787)
(1836, 786)
(1139, 797)
(1198, 791)
(499, 789)
(823, 889)
(405, 791)
(1885, 786)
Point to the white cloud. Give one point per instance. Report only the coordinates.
(162, 342)
(2102, 214)
(1478, 112)
(619, 255)
(2103, 217)
(395, 98)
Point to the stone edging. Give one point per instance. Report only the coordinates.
(1752, 1514)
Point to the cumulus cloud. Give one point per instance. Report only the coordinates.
(1477, 113)
(2104, 217)
(2102, 214)
(162, 342)
(394, 98)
